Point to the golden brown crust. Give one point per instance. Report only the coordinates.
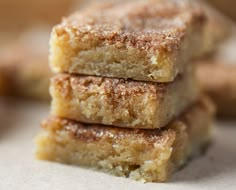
(145, 40)
(155, 24)
(119, 102)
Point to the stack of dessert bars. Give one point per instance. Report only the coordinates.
(124, 95)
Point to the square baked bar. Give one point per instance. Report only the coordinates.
(143, 40)
(119, 102)
(146, 155)
(222, 86)
(24, 67)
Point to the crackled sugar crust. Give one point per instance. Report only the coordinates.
(146, 155)
(143, 40)
(119, 102)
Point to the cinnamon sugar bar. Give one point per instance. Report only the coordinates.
(139, 154)
(143, 40)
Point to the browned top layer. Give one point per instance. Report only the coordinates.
(142, 24)
(94, 132)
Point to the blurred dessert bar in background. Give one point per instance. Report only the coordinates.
(25, 30)
(24, 65)
(227, 7)
(218, 80)
(18, 15)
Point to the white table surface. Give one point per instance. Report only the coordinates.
(19, 123)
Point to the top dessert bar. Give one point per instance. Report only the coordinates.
(143, 40)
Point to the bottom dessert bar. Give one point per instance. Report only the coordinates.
(141, 154)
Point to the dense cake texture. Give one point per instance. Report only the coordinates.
(139, 154)
(24, 65)
(119, 102)
(143, 40)
(222, 85)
